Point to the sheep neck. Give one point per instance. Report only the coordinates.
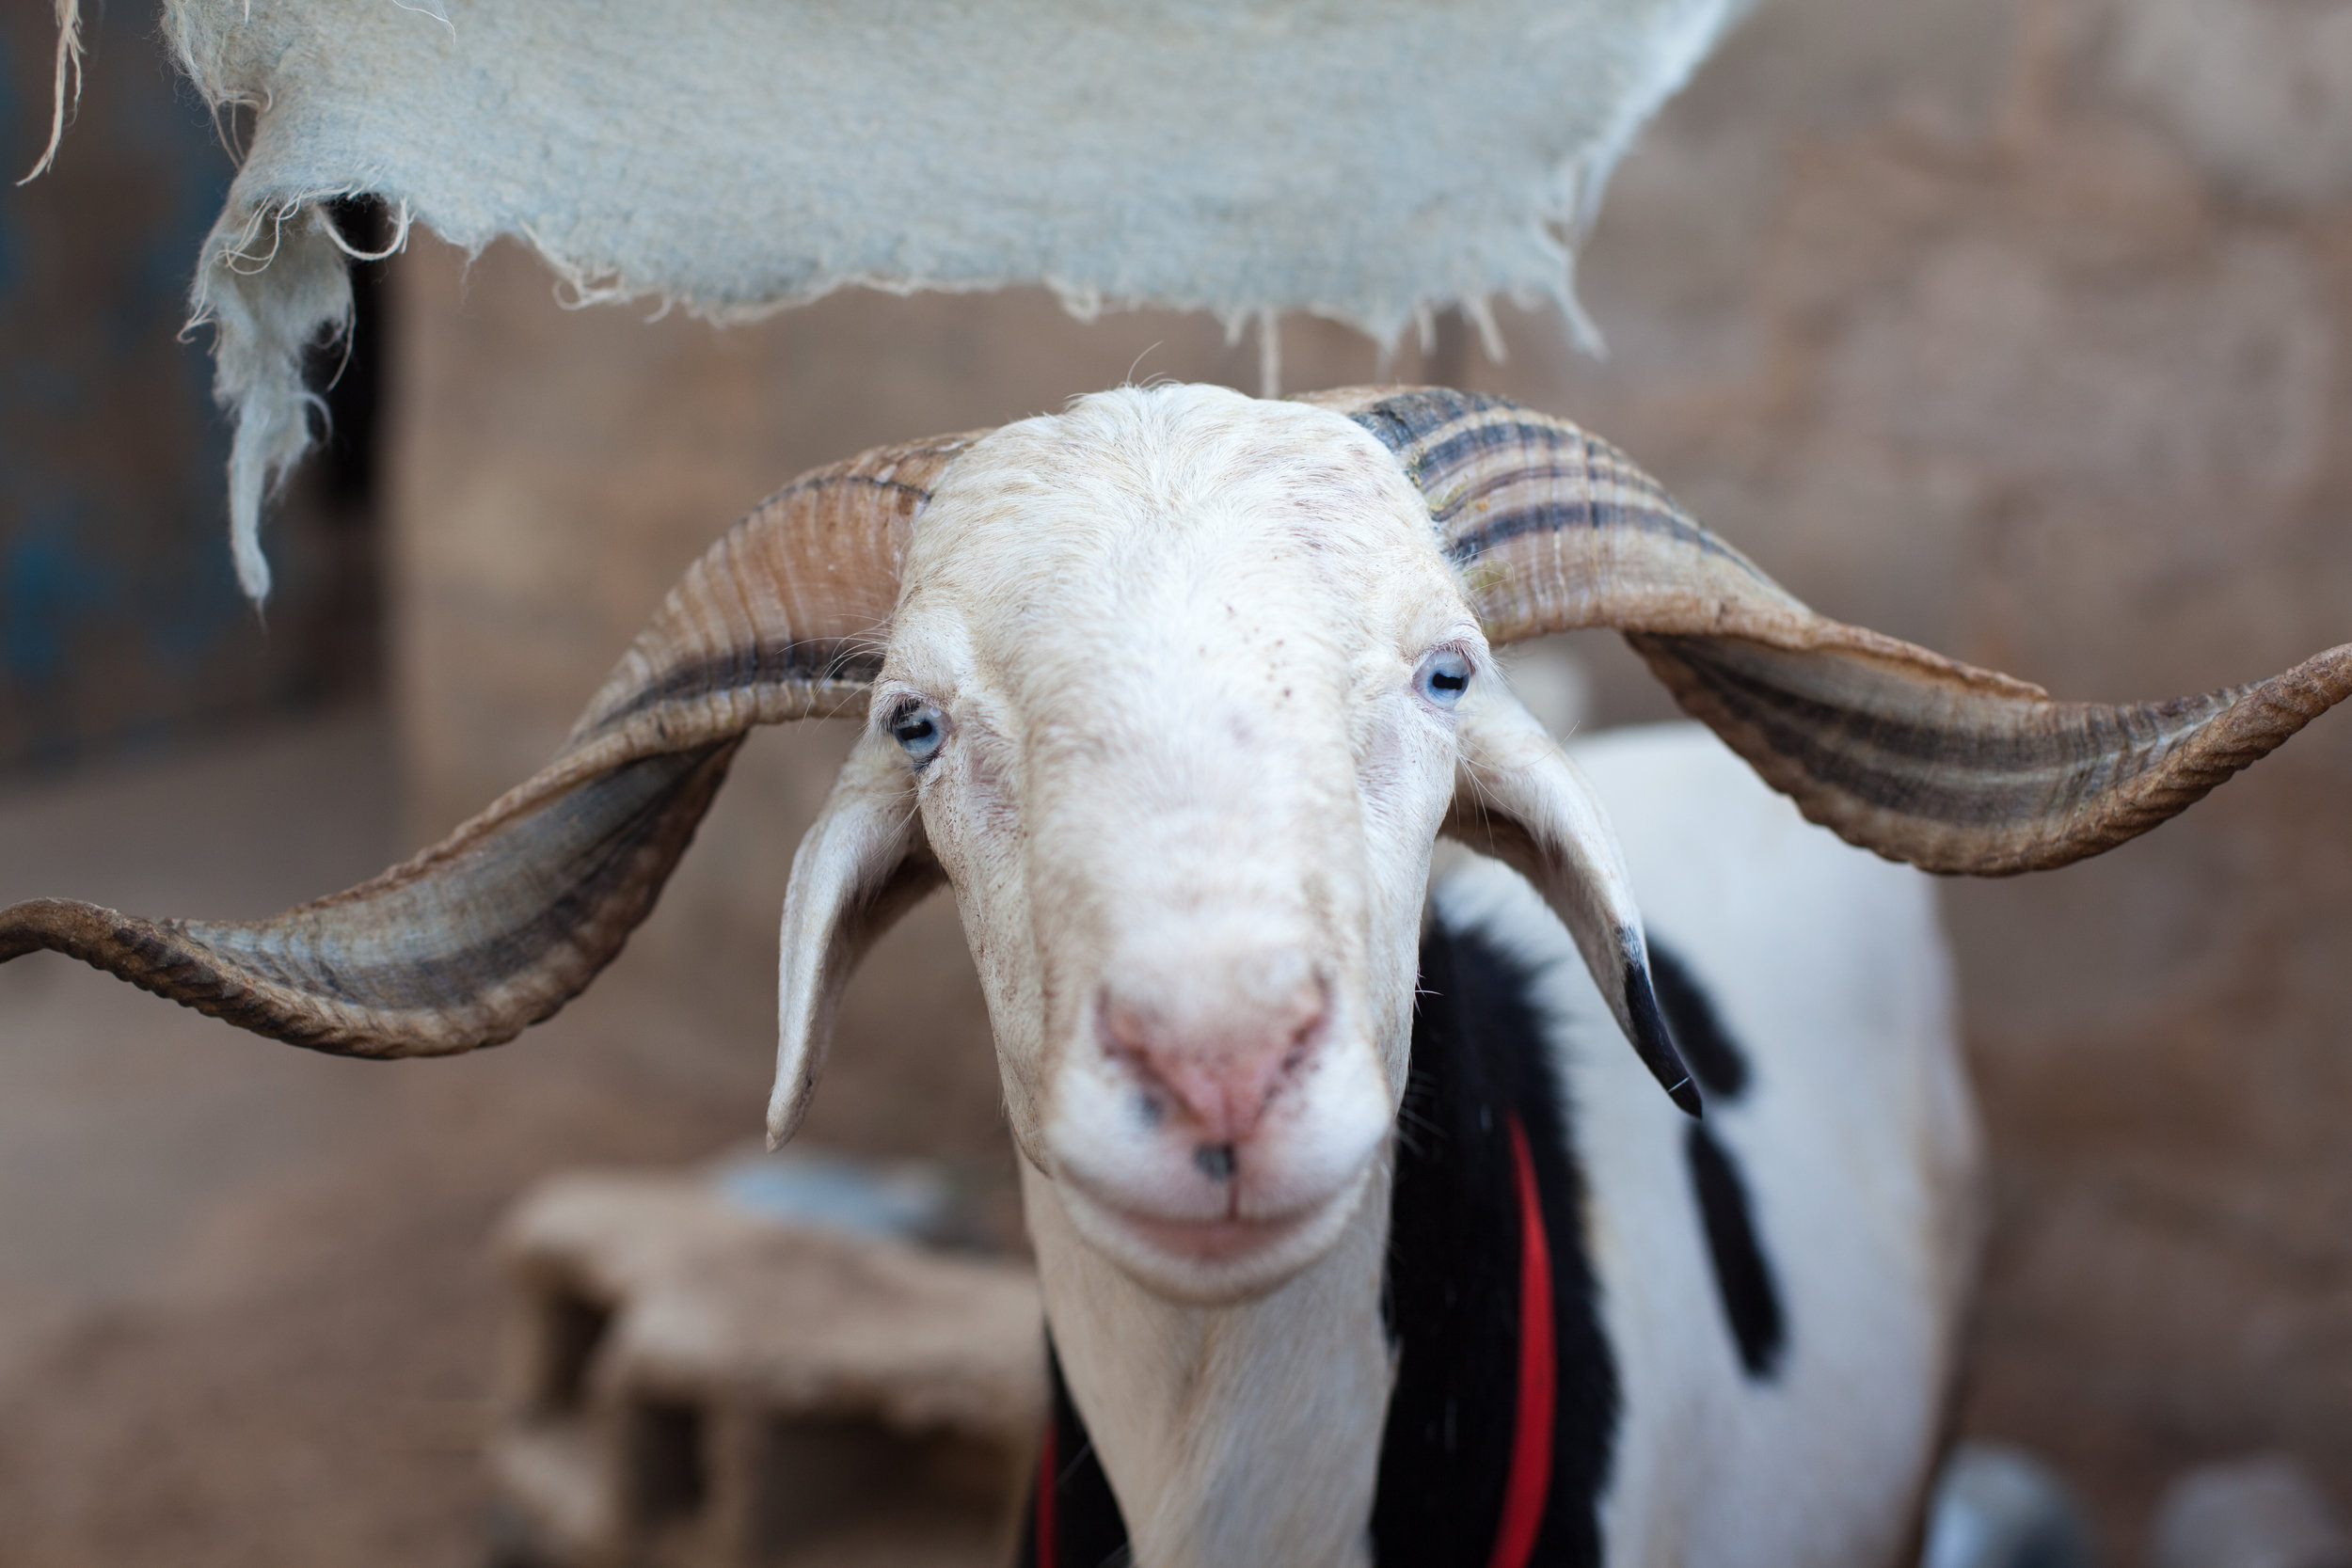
(1242, 1433)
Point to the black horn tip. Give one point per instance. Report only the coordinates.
(1652, 1041)
(1686, 1096)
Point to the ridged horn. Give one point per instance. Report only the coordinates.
(513, 913)
(1902, 751)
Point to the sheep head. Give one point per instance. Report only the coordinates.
(1176, 689)
(1178, 693)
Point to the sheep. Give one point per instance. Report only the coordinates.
(1176, 691)
(1753, 1330)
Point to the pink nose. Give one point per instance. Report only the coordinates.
(1221, 1053)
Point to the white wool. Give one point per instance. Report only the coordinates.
(67, 89)
(1364, 159)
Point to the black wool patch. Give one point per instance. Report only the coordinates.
(1480, 1056)
(1706, 1047)
(1744, 1275)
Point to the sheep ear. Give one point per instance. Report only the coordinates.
(864, 864)
(1517, 797)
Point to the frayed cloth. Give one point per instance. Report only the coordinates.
(67, 90)
(1369, 161)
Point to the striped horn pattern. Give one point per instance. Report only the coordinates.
(1902, 751)
(510, 917)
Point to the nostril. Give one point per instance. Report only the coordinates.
(1215, 1161)
(1303, 1035)
(1125, 1030)
(1306, 1011)
(1212, 1052)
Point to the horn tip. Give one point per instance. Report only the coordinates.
(1686, 1097)
(1646, 1026)
(784, 1116)
(53, 925)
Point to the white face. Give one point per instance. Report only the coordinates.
(1175, 673)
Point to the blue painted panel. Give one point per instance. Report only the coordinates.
(120, 625)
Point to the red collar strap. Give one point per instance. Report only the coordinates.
(1048, 1471)
(1530, 1485)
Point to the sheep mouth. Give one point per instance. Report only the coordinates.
(1212, 1260)
(1222, 1239)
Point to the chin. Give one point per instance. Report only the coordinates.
(1212, 1262)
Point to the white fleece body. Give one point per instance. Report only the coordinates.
(1856, 1139)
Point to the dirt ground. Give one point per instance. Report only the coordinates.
(246, 1314)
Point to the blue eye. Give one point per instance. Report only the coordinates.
(1444, 677)
(919, 728)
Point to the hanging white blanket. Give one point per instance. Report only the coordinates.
(1365, 160)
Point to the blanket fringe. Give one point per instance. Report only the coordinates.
(69, 72)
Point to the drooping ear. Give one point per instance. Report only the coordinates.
(513, 914)
(864, 864)
(1517, 797)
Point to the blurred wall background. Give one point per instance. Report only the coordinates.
(2016, 328)
(121, 630)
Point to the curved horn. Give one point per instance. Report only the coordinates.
(513, 914)
(1902, 751)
